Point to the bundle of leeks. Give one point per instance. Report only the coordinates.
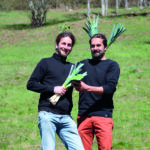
(91, 26)
(73, 75)
(92, 29)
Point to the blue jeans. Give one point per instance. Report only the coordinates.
(64, 126)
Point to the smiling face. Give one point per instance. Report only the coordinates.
(97, 49)
(64, 47)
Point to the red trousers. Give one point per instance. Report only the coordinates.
(100, 126)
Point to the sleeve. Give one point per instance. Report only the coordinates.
(112, 77)
(35, 81)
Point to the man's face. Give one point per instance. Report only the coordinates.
(64, 47)
(97, 48)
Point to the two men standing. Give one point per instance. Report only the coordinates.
(95, 97)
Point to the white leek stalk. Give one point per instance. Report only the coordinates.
(54, 99)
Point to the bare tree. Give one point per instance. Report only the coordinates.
(117, 6)
(104, 7)
(88, 6)
(145, 3)
(38, 9)
(126, 4)
(140, 4)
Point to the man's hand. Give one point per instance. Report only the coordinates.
(59, 90)
(80, 86)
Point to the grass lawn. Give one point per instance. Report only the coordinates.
(22, 47)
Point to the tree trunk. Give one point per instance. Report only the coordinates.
(140, 4)
(104, 7)
(117, 6)
(88, 6)
(38, 9)
(145, 3)
(126, 4)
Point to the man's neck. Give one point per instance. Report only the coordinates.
(103, 58)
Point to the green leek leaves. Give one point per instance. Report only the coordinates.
(73, 75)
(91, 26)
(116, 32)
(92, 29)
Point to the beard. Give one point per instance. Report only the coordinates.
(61, 53)
(99, 55)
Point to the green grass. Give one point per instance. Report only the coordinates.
(21, 48)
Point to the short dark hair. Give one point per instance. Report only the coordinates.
(101, 36)
(65, 34)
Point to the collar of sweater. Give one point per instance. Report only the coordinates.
(59, 57)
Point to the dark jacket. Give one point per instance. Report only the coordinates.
(103, 73)
(51, 72)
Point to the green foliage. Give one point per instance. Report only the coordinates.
(64, 28)
(91, 26)
(74, 74)
(116, 32)
(92, 29)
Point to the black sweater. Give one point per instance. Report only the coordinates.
(103, 73)
(48, 73)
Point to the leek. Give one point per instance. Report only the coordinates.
(116, 32)
(91, 28)
(73, 75)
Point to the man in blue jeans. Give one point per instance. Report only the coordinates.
(47, 79)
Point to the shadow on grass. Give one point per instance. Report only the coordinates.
(144, 14)
(51, 22)
(69, 18)
(147, 42)
(17, 26)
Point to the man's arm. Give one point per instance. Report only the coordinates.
(82, 87)
(34, 83)
(110, 86)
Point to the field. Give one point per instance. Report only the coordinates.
(22, 47)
